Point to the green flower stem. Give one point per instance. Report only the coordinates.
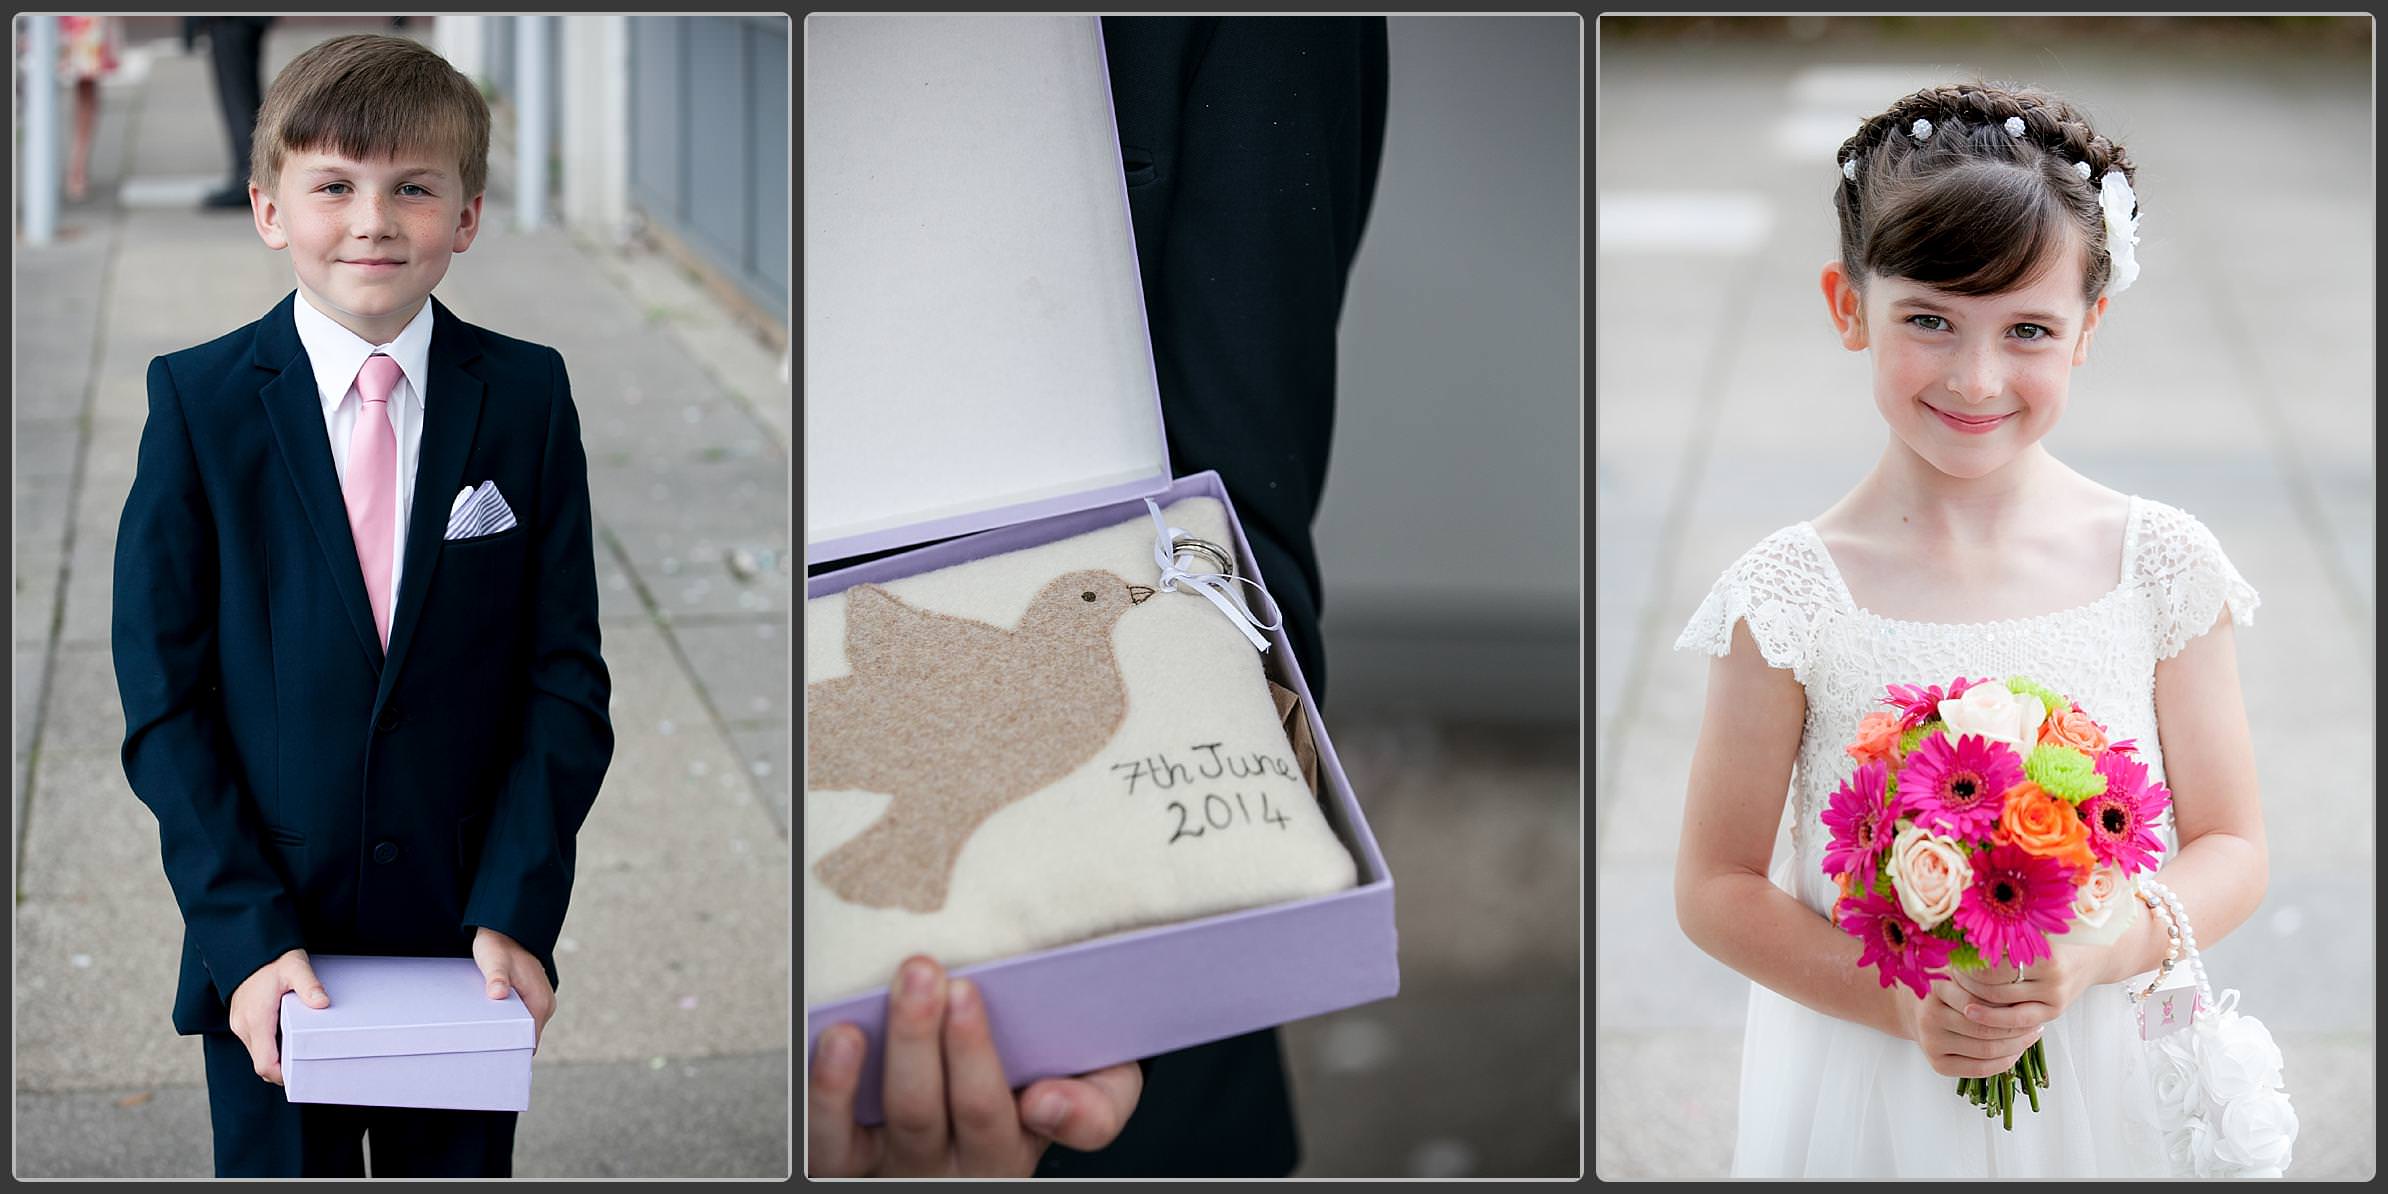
(2006, 1083)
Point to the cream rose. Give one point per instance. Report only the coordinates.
(1997, 714)
(2103, 908)
(1930, 874)
(2255, 1135)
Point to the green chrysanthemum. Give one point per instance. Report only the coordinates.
(2053, 700)
(2064, 772)
(1966, 957)
(1909, 740)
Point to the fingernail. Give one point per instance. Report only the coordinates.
(840, 1052)
(1046, 1114)
(917, 978)
(960, 1001)
(1973, 1011)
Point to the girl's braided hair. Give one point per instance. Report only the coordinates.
(1973, 209)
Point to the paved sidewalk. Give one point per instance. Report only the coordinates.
(2233, 381)
(669, 1053)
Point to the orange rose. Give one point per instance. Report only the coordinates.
(1877, 736)
(2044, 825)
(2073, 728)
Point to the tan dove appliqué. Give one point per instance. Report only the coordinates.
(956, 719)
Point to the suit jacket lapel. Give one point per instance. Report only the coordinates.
(295, 410)
(451, 415)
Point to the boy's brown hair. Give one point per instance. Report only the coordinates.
(368, 96)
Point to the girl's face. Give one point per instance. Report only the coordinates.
(1969, 383)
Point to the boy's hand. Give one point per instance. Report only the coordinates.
(506, 965)
(949, 1112)
(256, 1011)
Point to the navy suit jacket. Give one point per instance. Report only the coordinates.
(311, 791)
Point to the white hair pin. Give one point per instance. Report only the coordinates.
(2122, 230)
(2082, 169)
(2014, 126)
(1849, 169)
(1921, 130)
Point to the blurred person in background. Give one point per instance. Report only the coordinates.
(237, 47)
(87, 53)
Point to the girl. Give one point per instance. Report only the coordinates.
(1983, 230)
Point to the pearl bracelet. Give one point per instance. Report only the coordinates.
(2182, 940)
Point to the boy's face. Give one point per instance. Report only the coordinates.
(369, 239)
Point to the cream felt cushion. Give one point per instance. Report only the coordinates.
(1019, 752)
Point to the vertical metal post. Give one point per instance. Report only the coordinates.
(40, 144)
(530, 121)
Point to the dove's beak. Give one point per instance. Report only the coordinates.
(1137, 594)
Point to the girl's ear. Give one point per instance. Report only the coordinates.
(1847, 307)
(2089, 328)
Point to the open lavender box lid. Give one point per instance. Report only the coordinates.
(978, 365)
(975, 351)
(407, 1032)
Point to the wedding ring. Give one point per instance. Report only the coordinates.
(1204, 547)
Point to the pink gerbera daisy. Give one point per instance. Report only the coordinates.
(2122, 819)
(1919, 703)
(1862, 820)
(2016, 900)
(1899, 951)
(1959, 789)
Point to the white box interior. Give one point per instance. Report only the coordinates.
(974, 323)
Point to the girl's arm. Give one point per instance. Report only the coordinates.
(2209, 763)
(1741, 769)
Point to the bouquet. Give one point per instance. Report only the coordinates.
(1981, 822)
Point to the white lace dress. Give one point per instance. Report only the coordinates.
(1825, 1097)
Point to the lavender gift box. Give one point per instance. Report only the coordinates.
(977, 364)
(407, 1032)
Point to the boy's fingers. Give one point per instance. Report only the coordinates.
(986, 1126)
(913, 1093)
(1094, 1108)
(834, 1145)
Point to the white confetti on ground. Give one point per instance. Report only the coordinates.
(697, 767)
(760, 704)
(688, 1003)
(1355, 1046)
(654, 1063)
(1443, 1158)
(665, 727)
(81, 961)
(762, 768)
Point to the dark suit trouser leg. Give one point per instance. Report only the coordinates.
(259, 1133)
(237, 49)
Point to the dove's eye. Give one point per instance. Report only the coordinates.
(1087, 595)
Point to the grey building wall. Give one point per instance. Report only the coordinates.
(1451, 535)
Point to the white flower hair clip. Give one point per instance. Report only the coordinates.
(2082, 169)
(2014, 126)
(2122, 230)
(1849, 169)
(1921, 130)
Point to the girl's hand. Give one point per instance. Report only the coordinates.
(1956, 1046)
(2003, 997)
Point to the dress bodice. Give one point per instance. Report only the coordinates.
(2175, 582)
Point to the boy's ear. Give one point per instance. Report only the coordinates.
(1847, 307)
(268, 217)
(2089, 328)
(468, 224)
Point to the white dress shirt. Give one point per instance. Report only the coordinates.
(337, 354)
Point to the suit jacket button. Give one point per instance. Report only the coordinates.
(389, 719)
(386, 852)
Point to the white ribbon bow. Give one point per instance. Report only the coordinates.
(1214, 586)
(2122, 230)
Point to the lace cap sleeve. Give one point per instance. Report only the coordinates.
(2192, 578)
(1781, 588)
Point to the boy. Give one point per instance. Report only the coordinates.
(370, 717)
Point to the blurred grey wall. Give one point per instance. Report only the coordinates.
(1450, 539)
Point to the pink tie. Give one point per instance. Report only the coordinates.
(372, 485)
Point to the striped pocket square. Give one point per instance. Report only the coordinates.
(483, 513)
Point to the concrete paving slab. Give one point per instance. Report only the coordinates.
(725, 658)
(94, 989)
(1374, 1103)
(84, 713)
(691, 1117)
(88, 835)
(767, 753)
